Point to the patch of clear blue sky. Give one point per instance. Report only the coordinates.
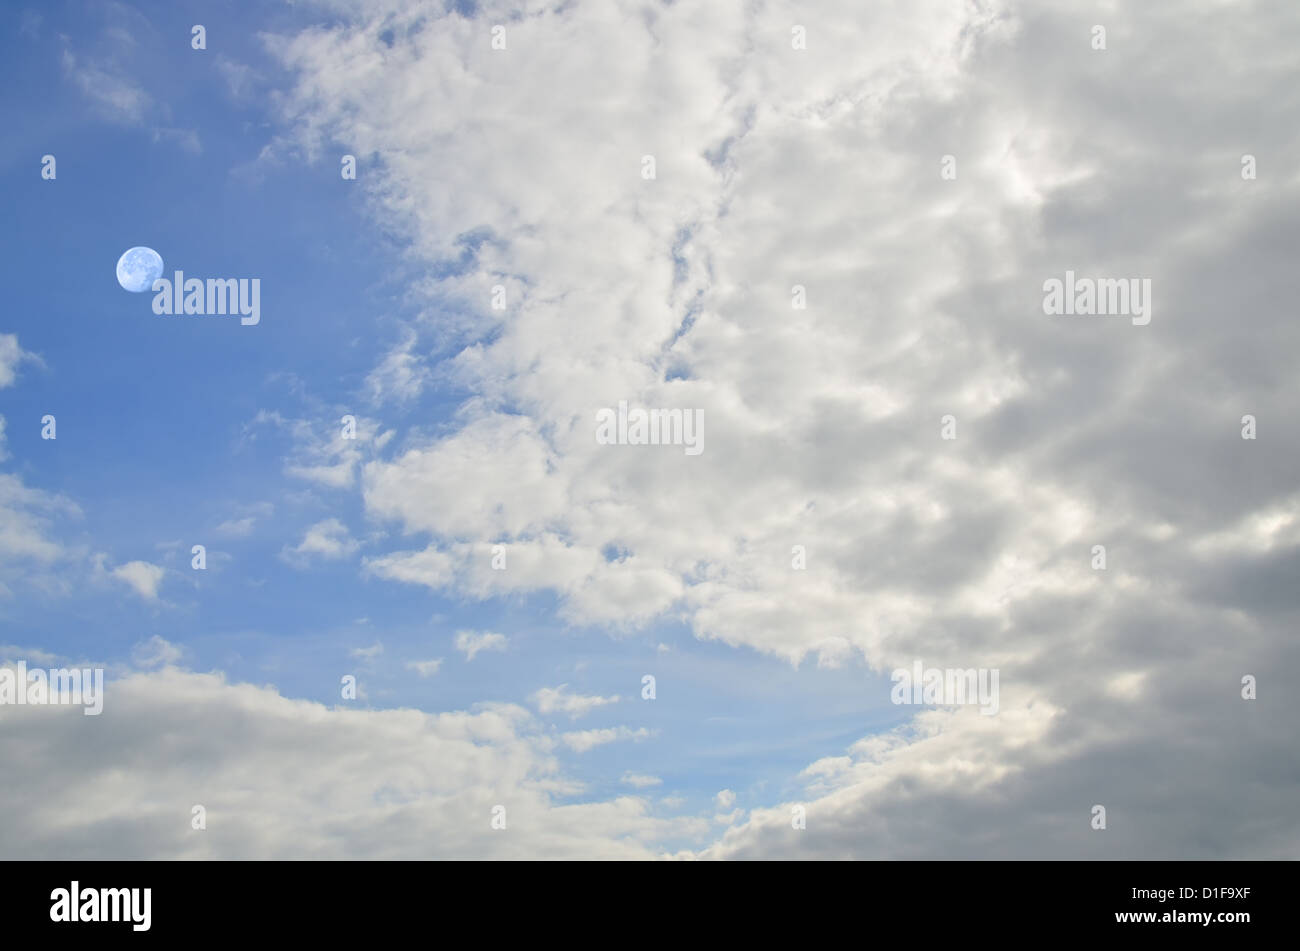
(152, 413)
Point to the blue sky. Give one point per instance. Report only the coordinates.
(158, 440)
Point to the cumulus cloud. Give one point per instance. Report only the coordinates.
(416, 785)
(786, 175)
(142, 577)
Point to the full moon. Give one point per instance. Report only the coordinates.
(138, 268)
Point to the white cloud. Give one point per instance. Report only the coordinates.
(118, 97)
(425, 668)
(470, 643)
(245, 521)
(12, 653)
(236, 527)
(240, 77)
(401, 376)
(321, 453)
(155, 652)
(327, 539)
(11, 356)
(418, 785)
(640, 780)
(187, 139)
(31, 553)
(581, 741)
(367, 654)
(142, 577)
(556, 700)
(532, 474)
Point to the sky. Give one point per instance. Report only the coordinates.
(836, 255)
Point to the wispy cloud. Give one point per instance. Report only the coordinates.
(640, 780)
(118, 97)
(557, 700)
(582, 741)
(11, 355)
(425, 668)
(328, 539)
(471, 643)
(155, 652)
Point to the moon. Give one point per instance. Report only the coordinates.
(138, 268)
